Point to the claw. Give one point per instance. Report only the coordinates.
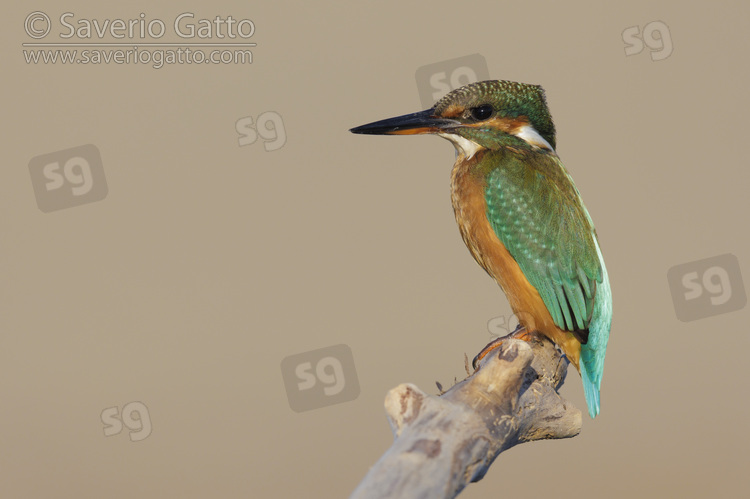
(520, 333)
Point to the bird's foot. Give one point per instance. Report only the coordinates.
(519, 334)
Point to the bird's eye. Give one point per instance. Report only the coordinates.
(482, 112)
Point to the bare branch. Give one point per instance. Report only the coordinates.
(442, 443)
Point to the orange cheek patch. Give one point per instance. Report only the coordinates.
(453, 111)
(507, 125)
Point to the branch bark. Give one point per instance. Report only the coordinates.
(442, 443)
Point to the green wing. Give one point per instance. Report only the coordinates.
(537, 213)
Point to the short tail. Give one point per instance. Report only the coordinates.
(593, 352)
(590, 390)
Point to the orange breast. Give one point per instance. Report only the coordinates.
(469, 205)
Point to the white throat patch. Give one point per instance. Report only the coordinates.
(464, 147)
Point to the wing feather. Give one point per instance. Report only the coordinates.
(537, 213)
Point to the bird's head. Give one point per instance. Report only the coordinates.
(482, 115)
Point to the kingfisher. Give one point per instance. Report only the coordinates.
(522, 217)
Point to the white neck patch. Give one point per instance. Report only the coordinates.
(529, 134)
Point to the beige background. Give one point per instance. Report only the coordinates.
(208, 263)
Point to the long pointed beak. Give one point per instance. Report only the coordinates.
(408, 124)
